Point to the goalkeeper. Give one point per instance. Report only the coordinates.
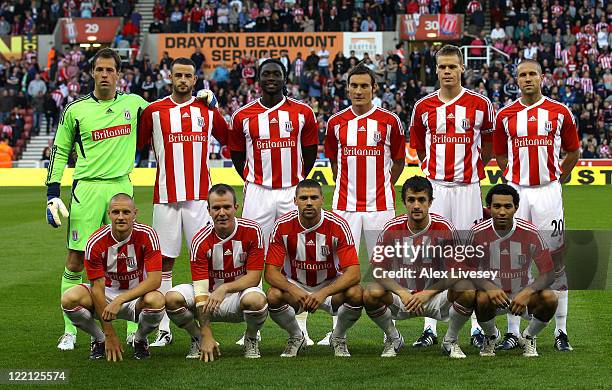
(101, 126)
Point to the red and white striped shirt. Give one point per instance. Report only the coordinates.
(428, 246)
(364, 146)
(605, 60)
(587, 84)
(181, 135)
(273, 139)
(511, 256)
(225, 260)
(123, 264)
(532, 138)
(451, 134)
(315, 255)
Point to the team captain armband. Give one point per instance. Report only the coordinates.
(200, 290)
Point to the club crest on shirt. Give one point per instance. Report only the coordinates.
(75, 235)
(522, 259)
(288, 126)
(200, 121)
(242, 257)
(548, 126)
(325, 250)
(127, 115)
(131, 262)
(465, 123)
(377, 136)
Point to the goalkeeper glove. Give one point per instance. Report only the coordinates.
(207, 97)
(55, 206)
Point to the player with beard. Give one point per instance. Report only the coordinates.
(180, 127)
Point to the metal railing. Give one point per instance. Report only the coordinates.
(489, 51)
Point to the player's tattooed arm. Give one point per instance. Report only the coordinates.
(112, 344)
(238, 159)
(309, 154)
(568, 164)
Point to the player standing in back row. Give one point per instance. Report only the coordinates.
(273, 144)
(366, 148)
(180, 127)
(101, 126)
(451, 129)
(529, 136)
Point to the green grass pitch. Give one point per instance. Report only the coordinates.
(31, 323)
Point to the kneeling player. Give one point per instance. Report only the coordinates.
(312, 264)
(512, 244)
(422, 289)
(123, 264)
(227, 259)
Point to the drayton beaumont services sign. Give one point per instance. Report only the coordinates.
(231, 47)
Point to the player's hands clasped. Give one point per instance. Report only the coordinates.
(300, 296)
(520, 302)
(55, 207)
(208, 346)
(416, 302)
(113, 348)
(313, 301)
(111, 310)
(498, 297)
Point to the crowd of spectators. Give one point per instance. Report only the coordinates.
(24, 17)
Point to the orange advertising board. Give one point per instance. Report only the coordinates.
(230, 47)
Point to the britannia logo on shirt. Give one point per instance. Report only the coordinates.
(127, 115)
(325, 250)
(465, 123)
(200, 121)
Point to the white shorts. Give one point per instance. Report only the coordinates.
(128, 309)
(459, 203)
(229, 311)
(543, 206)
(326, 306)
(437, 307)
(370, 222)
(170, 220)
(265, 205)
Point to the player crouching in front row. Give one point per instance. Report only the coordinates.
(312, 264)
(410, 260)
(123, 263)
(227, 259)
(512, 245)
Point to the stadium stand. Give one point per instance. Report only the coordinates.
(571, 40)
